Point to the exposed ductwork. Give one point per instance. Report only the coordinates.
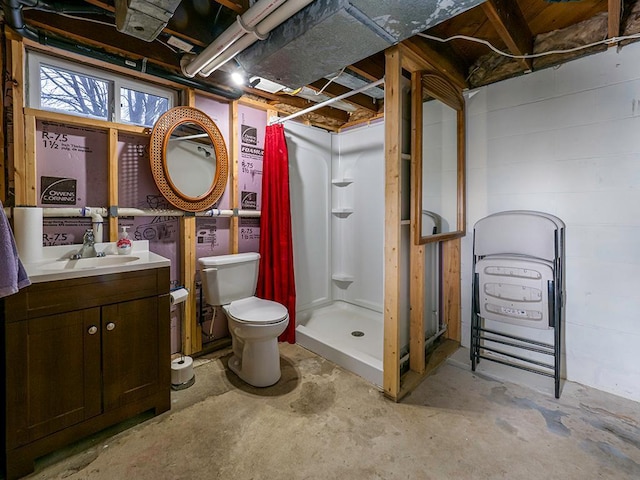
(329, 34)
(308, 40)
(144, 19)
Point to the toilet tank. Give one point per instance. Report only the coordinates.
(226, 278)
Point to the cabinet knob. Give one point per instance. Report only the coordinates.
(111, 326)
(92, 330)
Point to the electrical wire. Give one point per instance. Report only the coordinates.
(606, 41)
(330, 81)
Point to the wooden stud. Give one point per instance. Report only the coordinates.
(392, 237)
(615, 13)
(451, 287)
(23, 182)
(234, 156)
(112, 165)
(30, 193)
(191, 330)
(509, 22)
(191, 333)
(416, 253)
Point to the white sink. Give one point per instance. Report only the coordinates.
(56, 263)
(86, 263)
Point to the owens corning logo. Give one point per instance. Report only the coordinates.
(249, 135)
(249, 200)
(57, 191)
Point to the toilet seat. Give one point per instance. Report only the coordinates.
(256, 311)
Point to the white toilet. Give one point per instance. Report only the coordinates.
(254, 323)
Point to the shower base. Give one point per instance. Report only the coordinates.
(347, 335)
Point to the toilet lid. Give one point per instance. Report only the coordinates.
(257, 310)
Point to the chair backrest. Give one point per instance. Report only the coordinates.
(519, 232)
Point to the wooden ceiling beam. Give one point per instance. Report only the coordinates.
(368, 69)
(238, 6)
(509, 22)
(297, 102)
(359, 100)
(615, 13)
(447, 65)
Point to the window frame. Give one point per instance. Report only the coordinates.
(116, 82)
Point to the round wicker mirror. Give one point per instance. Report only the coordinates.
(189, 159)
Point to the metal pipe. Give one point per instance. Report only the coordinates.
(328, 102)
(286, 11)
(244, 24)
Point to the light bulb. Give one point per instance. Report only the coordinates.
(237, 78)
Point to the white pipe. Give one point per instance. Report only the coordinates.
(244, 24)
(214, 212)
(97, 215)
(286, 11)
(149, 212)
(427, 342)
(328, 102)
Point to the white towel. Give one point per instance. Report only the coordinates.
(12, 273)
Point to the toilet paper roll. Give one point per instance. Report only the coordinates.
(181, 371)
(27, 229)
(179, 295)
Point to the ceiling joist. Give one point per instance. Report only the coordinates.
(445, 64)
(509, 22)
(298, 103)
(358, 100)
(238, 6)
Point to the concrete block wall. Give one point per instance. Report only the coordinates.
(567, 141)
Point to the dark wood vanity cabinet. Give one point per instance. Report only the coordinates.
(81, 355)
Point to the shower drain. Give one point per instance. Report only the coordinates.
(357, 333)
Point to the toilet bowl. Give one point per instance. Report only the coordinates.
(254, 323)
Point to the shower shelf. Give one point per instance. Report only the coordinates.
(342, 277)
(342, 182)
(342, 212)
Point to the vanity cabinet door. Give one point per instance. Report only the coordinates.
(132, 333)
(54, 367)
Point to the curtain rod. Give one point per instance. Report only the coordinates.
(328, 102)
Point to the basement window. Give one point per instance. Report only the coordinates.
(63, 86)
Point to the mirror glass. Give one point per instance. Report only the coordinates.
(439, 168)
(189, 159)
(438, 156)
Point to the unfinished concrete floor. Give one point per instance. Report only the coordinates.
(321, 422)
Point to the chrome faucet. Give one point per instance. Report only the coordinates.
(88, 248)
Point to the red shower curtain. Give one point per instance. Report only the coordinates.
(275, 278)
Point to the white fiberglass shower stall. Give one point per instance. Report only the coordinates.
(337, 184)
